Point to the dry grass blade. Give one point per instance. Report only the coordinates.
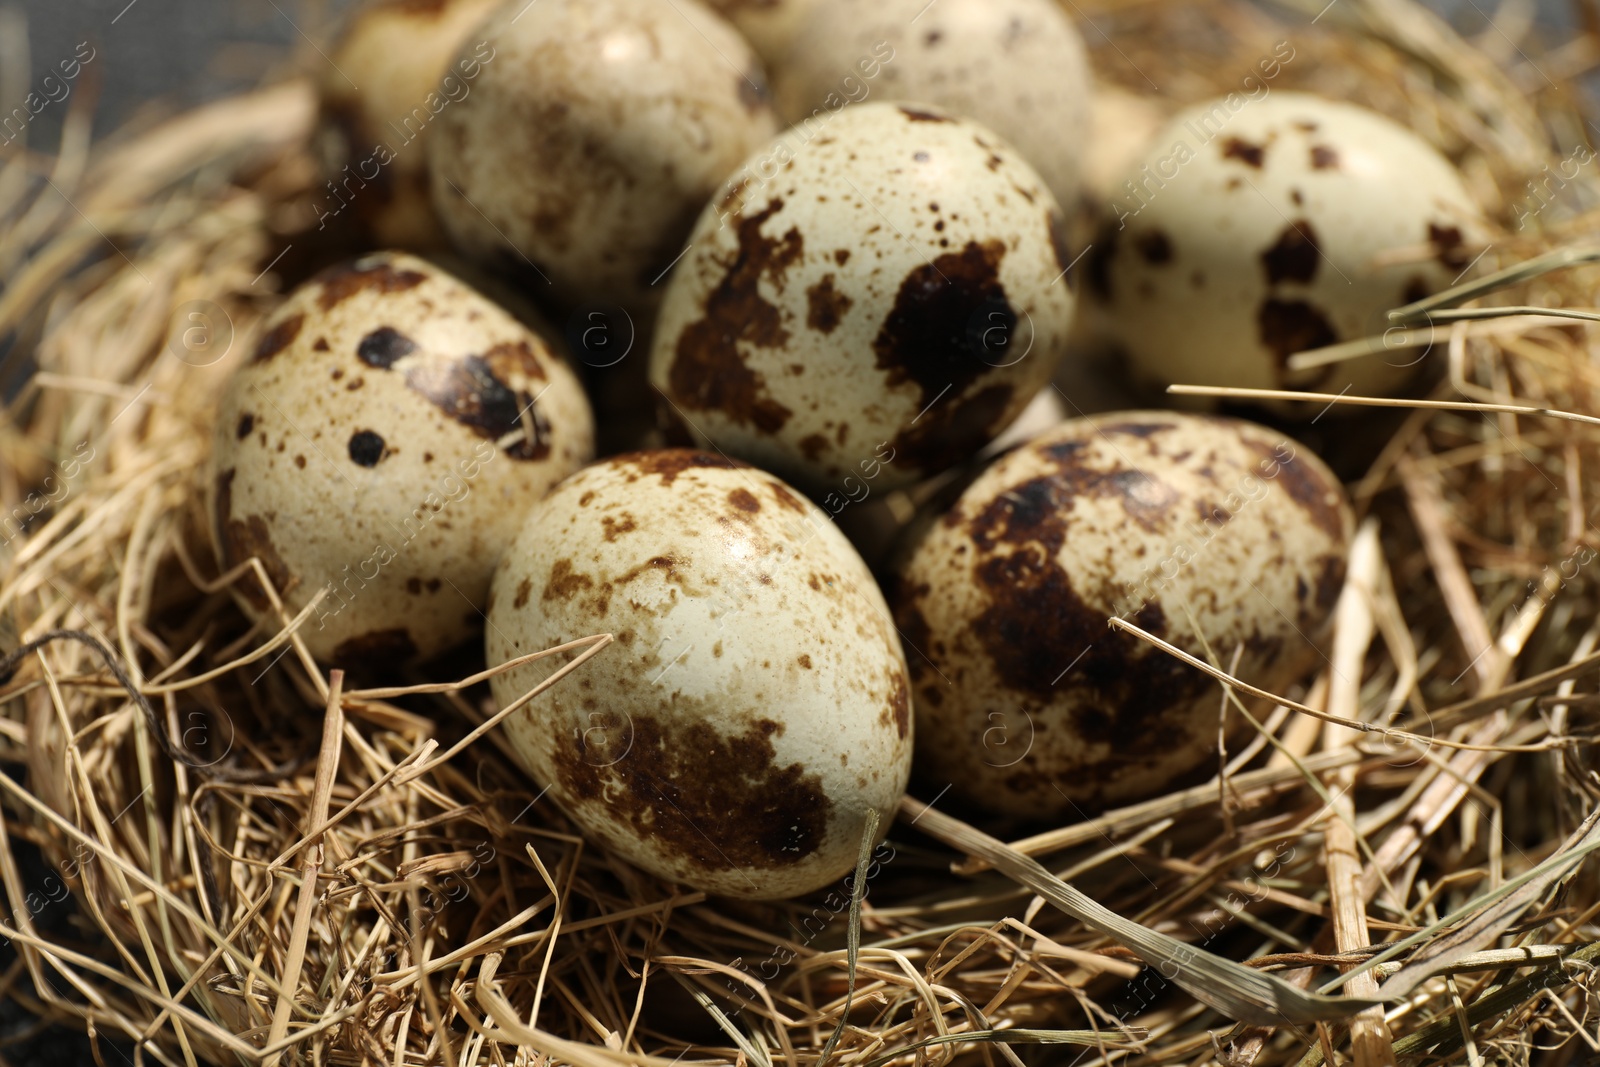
(266, 864)
(1227, 987)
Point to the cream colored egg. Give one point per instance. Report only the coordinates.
(753, 708)
(1190, 527)
(1017, 66)
(1255, 230)
(379, 448)
(592, 140)
(875, 302)
(396, 65)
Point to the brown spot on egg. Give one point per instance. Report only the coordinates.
(1295, 195)
(708, 372)
(950, 431)
(813, 445)
(752, 814)
(344, 281)
(804, 661)
(244, 539)
(1154, 247)
(511, 358)
(1037, 625)
(366, 448)
(524, 591)
(899, 710)
(917, 114)
(278, 338)
(247, 422)
(1249, 154)
(564, 582)
(744, 501)
(384, 347)
(668, 463)
(414, 586)
(1290, 326)
(614, 527)
(1294, 257)
(320, 345)
(300, 461)
(380, 647)
(1448, 245)
(784, 497)
(468, 391)
(1306, 486)
(841, 256)
(1324, 157)
(825, 305)
(927, 337)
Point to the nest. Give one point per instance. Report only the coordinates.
(270, 865)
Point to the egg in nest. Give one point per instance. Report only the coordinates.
(755, 705)
(1204, 531)
(378, 447)
(1257, 229)
(888, 294)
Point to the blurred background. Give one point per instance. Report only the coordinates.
(144, 60)
(153, 57)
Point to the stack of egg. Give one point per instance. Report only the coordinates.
(845, 287)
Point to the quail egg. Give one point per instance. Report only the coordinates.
(377, 112)
(1017, 66)
(1257, 229)
(378, 449)
(590, 143)
(754, 707)
(885, 296)
(1209, 533)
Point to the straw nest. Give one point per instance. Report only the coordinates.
(268, 866)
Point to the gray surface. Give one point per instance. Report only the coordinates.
(177, 52)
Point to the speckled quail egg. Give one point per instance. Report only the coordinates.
(1204, 531)
(377, 112)
(379, 447)
(1255, 230)
(592, 140)
(1017, 66)
(755, 704)
(888, 294)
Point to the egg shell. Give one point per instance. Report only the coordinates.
(879, 298)
(376, 112)
(1255, 231)
(382, 442)
(755, 705)
(592, 140)
(1028, 703)
(1017, 66)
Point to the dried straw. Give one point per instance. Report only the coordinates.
(270, 866)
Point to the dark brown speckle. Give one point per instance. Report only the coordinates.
(752, 813)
